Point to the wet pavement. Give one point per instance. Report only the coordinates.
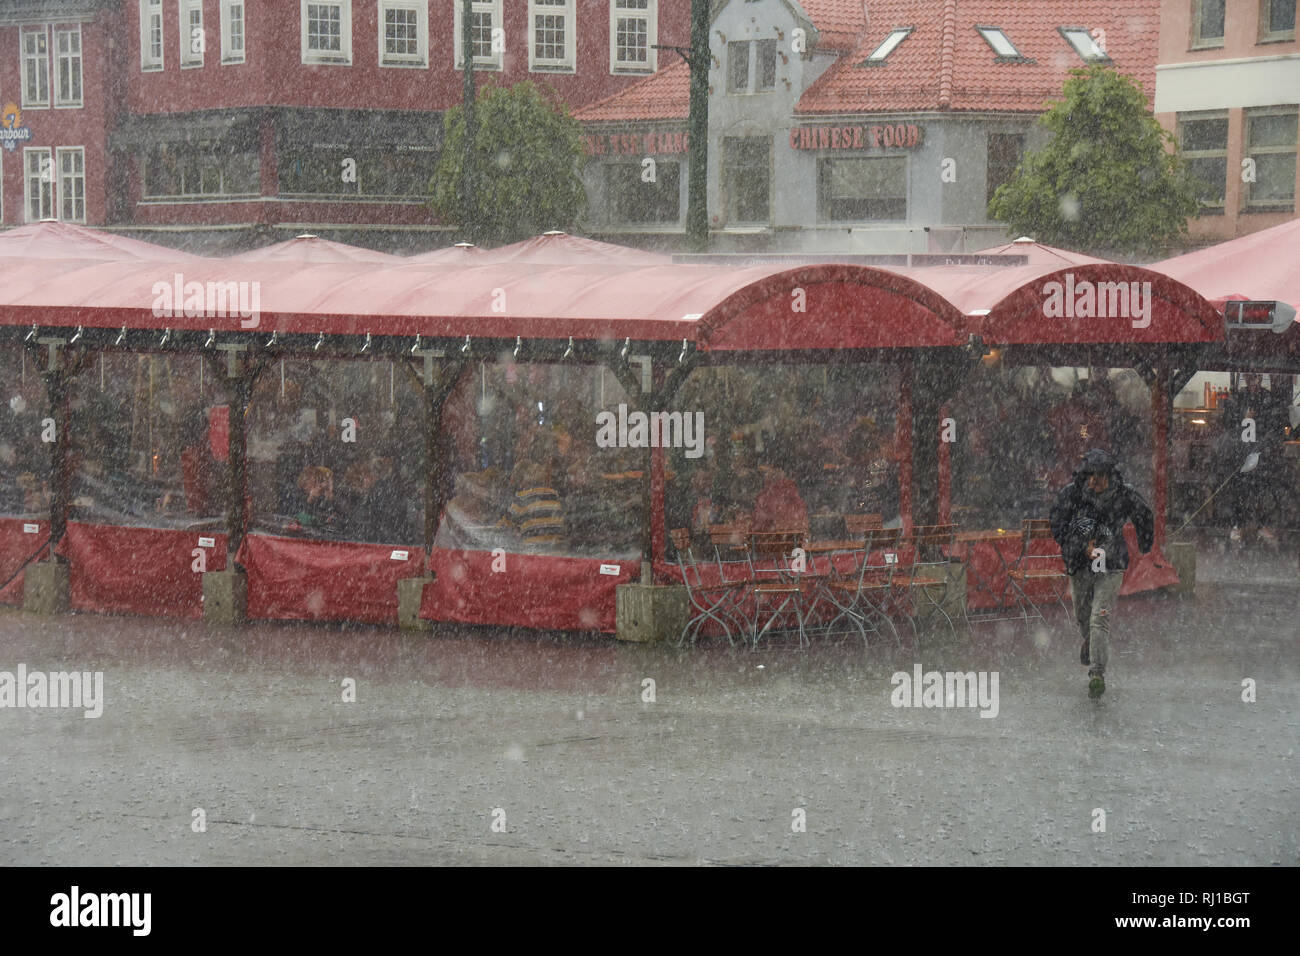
(480, 746)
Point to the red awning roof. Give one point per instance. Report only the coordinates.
(1039, 254)
(308, 248)
(461, 252)
(49, 239)
(562, 249)
(1261, 265)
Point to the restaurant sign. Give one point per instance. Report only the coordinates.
(12, 130)
(635, 144)
(894, 136)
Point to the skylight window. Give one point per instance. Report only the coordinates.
(887, 46)
(998, 40)
(1085, 44)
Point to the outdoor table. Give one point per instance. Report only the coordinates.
(988, 556)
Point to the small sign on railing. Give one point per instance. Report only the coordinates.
(399, 555)
(613, 569)
(891, 557)
(207, 542)
(31, 529)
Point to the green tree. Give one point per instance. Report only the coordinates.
(1110, 182)
(526, 159)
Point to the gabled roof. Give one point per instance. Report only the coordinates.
(665, 95)
(945, 64)
(839, 23)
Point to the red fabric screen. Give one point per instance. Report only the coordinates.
(306, 580)
(16, 546)
(138, 570)
(539, 591)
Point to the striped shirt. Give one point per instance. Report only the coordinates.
(538, 515)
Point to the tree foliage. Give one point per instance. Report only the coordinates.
(527, 152)
(1109, 182)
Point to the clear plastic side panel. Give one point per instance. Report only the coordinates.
(24, 420)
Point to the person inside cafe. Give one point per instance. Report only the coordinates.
(1254, 497)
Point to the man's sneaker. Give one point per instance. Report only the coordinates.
(1096, 686)
(1083, 652)
(1235, 535)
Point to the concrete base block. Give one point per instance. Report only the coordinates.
(225, 597)
(45, 588)
(647, 612)
(1182, 555)
(410, 593)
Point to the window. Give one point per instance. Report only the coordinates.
(233, 31)
(633, 32)
(36, 68)
(193, 40)
(38, 184)
(327, 32)
(72, 184)
(404, 33)
(766, 67)
(738, 67)
(880, 53)
(173, 171)
(862, 190)
(382, 173)
(1207, 23)
(552, 31)
(151, 35)
(1005, 151)
(486, 34)
(1085, 44)
(1276, 20)
(1203, 141)
(1000, 43)
(634, 201)
(747, 172)
(67, 67)
(1271, 143)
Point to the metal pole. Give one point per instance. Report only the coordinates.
(697, 185)
(467, 178)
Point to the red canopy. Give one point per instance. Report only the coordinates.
(309, 248)
(461, 252)
(49, 239)
(559, 248)
(1264, 265)
(1040, 254)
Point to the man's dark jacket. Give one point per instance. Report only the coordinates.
(1110, 511)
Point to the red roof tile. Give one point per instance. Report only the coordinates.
(665, 95)
(839, 22)
(946, 64)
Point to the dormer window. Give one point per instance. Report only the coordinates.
(1085, 44)
(887, 46)
(1000, 42)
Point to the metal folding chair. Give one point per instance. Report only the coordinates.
(927, 576)
(775, 584)
(709, 602)
(1031, 572)
(862, 596)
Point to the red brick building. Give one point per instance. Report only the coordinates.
(226, 121)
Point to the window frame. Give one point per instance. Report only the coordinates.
(28, 102)
(651, 17)
(228, 57)
(327, 58)
(756, 56)
(59, 153)
(1249, 205)
(47, 151)
(1198, 42)
(567, 9)
(494, 60)
(405, 61)
(1205, 207)
(988, 32)
(823, 201)
(148, 10)
(185, 26)
(897, 35)
(1266, 32)
(732, 86)
(1101, 57)
(988, 150)
(729, 178)
(634, 169)
(59, 58)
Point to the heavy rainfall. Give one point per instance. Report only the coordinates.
(747, 432)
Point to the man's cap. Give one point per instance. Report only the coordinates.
(1097, 461)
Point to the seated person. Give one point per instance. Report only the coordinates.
(314, 505)
(536, 513)
(779, 506)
